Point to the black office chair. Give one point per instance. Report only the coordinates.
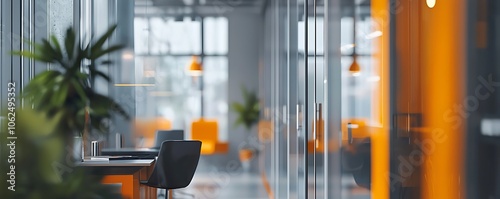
(163, 135)
(176, 164)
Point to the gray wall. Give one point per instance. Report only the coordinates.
(245, 29)
(243, 59)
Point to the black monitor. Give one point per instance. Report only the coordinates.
(162, 135)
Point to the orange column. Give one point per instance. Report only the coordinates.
(380, 138)
(444, 101)
(130, 184)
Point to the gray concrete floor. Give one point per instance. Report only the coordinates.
(220, 185)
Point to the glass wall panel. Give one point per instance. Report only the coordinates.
(164, 47)
(303, 127)
(165, 35)
(215, 35)
(215, 92)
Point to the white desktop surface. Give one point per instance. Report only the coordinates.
(118, 163)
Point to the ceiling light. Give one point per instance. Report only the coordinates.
(354, 69)
(195, 68)
(373, 34)
(347, 46)
(128, 55)
(431, 3)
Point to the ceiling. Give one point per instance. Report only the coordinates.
(220, 7)
(198, 7)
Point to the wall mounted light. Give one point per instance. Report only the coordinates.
(430, 3)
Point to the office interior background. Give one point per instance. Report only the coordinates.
(357, 98)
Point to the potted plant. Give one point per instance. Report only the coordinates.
(248, 114)
(68, 91)
(64, 104)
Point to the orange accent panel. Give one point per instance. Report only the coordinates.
(444, 58)
(380, 110)
(221, 147)
(130, 184)
(207, 147)
(207, 132)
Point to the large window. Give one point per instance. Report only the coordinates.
(163, 48)
(357, 91)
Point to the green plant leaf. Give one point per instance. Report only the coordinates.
(56, 44)
(106, 62)
(237, 107)
(100, 42)
(238, 121)
(67, 91)
(78, 88)
(32, 55)
(60, 95)
(244, 92)
(49, 51)
(101, 74)
(247, 112)
(96, 54)
(69, 42)
(99, 101)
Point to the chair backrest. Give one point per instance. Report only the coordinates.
(163, 135)
(176, 164)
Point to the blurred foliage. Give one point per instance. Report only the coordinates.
(67, 91)
(63, 102)
(249, 111)
(44, 167)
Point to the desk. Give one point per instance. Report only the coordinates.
(128, 173)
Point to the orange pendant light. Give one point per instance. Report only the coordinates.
(195, 68)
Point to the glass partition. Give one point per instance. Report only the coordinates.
(164, 47)
(331, 108)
